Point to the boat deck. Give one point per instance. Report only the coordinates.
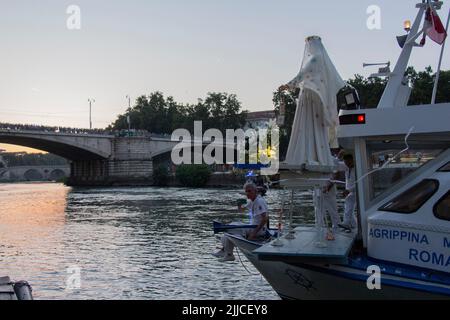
(306, 248)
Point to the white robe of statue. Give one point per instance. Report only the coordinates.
(316, 119)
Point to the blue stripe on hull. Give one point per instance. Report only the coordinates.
(390, 282)
(363, 262)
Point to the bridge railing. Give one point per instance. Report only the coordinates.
(12, 127)
(25, 128)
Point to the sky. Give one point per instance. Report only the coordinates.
(184, 49)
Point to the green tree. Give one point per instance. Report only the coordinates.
(423, 83)
(288, 98)
(158, 114)
(370, 91)
(195, 176)
(224, 111)
(33, 159)
(160, 176)
(443, 91)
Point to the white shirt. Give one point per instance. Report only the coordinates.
(257, 208)
(349, 175)
(340, 165)
(350, 179)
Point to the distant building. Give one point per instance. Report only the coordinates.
(259, 119)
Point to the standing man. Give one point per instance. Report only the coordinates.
(329, 192)
(259, 216)
(349, 194)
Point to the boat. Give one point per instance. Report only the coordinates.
(401, 248)
(254, 175)
(10, 290)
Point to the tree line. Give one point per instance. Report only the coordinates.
(370, 91)
(31, 159)
(159, 114)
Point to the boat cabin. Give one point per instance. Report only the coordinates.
(404, 204)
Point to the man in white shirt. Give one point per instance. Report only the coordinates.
(329, 198)
(350, 194)
(258, 216)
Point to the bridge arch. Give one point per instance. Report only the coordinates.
(3, 171)
(56, 175)
(33, 175)
(66, 146)
(168, 150)
(162, 152)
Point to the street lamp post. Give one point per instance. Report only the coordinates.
(128, 115)
(91, 101)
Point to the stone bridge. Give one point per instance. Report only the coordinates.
(34, 173)
(98, 159)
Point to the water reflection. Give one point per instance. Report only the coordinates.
(130, 243)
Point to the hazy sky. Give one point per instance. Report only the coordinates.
(182, 48)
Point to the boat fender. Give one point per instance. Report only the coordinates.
(23, 290)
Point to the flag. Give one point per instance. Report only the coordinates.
(433, 27)
(128, 119)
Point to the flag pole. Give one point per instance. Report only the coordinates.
(436, 81)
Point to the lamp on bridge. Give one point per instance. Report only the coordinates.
(128, 114)
(91, 101)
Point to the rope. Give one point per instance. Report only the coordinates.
(252, 274)
(308, 179)
(364, 176)
(387, 162)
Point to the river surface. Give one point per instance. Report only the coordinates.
(126, 243)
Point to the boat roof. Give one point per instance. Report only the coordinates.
(420, 119)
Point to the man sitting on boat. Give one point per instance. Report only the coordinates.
(258, 180)
(259, 216)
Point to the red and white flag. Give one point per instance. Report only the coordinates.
(433, 27)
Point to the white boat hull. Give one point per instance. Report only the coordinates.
(335, 282)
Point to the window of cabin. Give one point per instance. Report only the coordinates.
(442, 208)
(389, 163)
(412, 199)
(445, 168)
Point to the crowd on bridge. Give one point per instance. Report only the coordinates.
(55, 129)
(13, 127)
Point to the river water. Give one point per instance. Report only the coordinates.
(125, 243)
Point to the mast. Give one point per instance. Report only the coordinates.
(395, 84)
(433, 97)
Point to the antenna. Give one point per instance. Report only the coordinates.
(382, 72)
(388, 64)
